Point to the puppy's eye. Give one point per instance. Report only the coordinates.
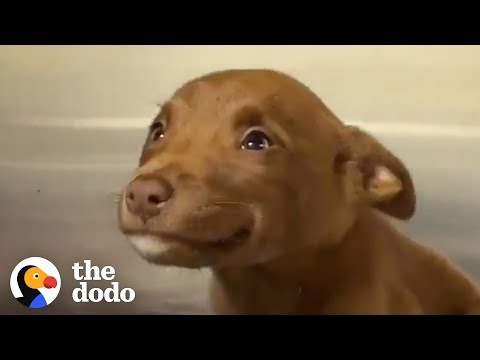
(157, 131)
(256, 140)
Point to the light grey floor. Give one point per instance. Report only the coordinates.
(56, 191)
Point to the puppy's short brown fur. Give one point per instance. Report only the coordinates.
(247, 172)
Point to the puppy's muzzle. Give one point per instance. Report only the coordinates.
(146, 195)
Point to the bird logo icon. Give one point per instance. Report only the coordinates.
(35, 282)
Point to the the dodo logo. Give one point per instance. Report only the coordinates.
(35, 282)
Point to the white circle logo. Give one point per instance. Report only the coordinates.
(35, 282)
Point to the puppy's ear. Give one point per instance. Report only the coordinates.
(384, 180)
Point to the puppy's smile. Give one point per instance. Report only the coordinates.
(225, 243)
(222, 244)
(177, 250)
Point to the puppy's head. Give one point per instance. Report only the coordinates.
(241, 166)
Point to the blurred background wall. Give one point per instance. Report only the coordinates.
(374, 83)
(73, 118)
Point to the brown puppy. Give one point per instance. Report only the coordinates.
(248, 173)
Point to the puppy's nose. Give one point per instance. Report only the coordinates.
(146, 195)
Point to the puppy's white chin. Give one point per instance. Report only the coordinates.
(149, 246)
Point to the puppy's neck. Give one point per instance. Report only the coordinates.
(299, 281)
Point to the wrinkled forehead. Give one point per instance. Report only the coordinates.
(231, 103)
(215, 100)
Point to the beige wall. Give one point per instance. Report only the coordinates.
(435, 84)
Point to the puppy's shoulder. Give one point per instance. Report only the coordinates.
(430, 275)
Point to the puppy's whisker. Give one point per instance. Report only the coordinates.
(117, 196)
(230, 203)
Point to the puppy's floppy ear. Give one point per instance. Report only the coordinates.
(386, 182)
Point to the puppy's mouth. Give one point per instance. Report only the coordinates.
(222, 243)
